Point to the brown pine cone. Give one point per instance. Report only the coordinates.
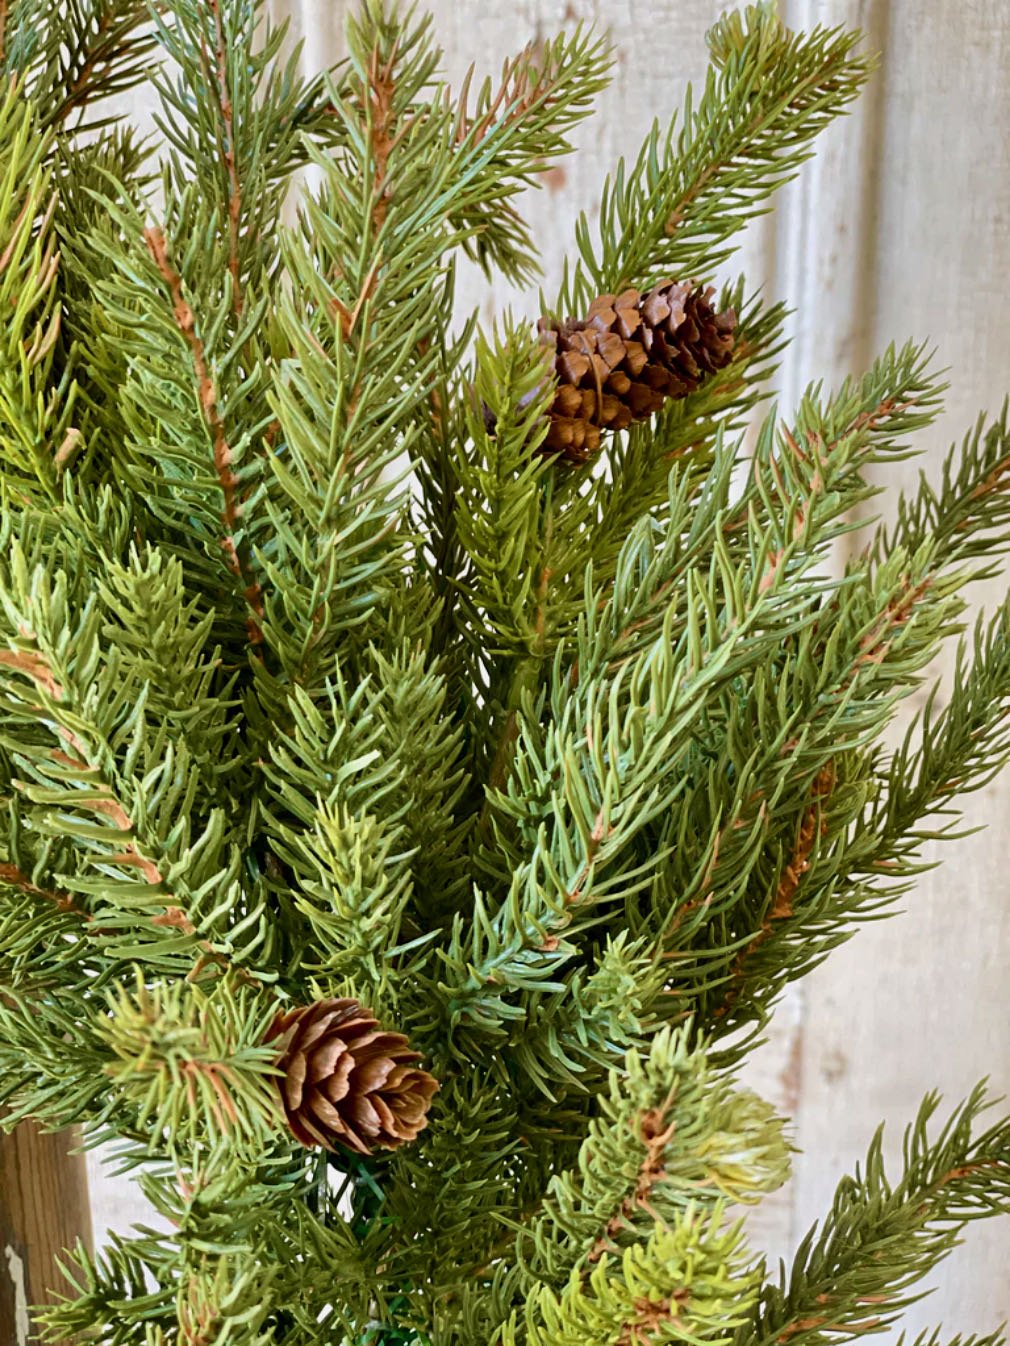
(627, 357)
(347, 1082)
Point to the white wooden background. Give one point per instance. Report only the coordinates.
(900, 227)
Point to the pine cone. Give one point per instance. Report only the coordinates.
(347, 1082)
(629, 354)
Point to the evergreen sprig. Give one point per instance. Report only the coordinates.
(767, 95)
(320, 679)
(855, 1274)
(76, 54)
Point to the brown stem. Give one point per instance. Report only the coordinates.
(525, 676)
(874, 645)
(522, 86)
(650, 1315)
(77, 94)
(382, 87)
(35, 667)
(208, 401)
(108, 806)
(102, 53)
(811, 828)
(10, 874)
(173, 917)
(656, 1130)
(228, 121)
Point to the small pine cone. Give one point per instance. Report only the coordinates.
(627, 356)
(347, 1082)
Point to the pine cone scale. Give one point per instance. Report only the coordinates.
(294, 1083)
(323, 1062)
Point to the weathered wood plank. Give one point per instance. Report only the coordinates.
(920, 1002)
(44, 1209)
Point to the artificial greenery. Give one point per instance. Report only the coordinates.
(319, 679)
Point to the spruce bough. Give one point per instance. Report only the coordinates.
(355, 738)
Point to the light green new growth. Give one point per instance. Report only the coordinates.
(318, 679)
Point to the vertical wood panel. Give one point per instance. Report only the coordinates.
(920, 1001)
(44, 1210)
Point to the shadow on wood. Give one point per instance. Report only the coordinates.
(43, 1210)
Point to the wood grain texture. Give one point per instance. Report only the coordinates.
(44, 1210)
(900, 227)
(921, 1001)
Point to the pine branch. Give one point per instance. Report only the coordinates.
(34, 922)
(568, 1042)
(443, 1201)
(802, 485)
(238, 118)
(503, 527)
(381, 316)
(194, 434)
(70, 56)
(671, 1135)
(513, 134)
(37, 431)
(880, 1238)
(967, 514)
(376, 851)
(193, 1066)
(549, 527)
(957, 751)
(500, 483)
(689, 1280)
(91, 771)
(365, 330)
(207, 397)
(768, 94)
(232, 113)
(651, 662)
(861, 863)
(569, 843)
(804, 791)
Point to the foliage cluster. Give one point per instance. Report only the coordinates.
(311, 685)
